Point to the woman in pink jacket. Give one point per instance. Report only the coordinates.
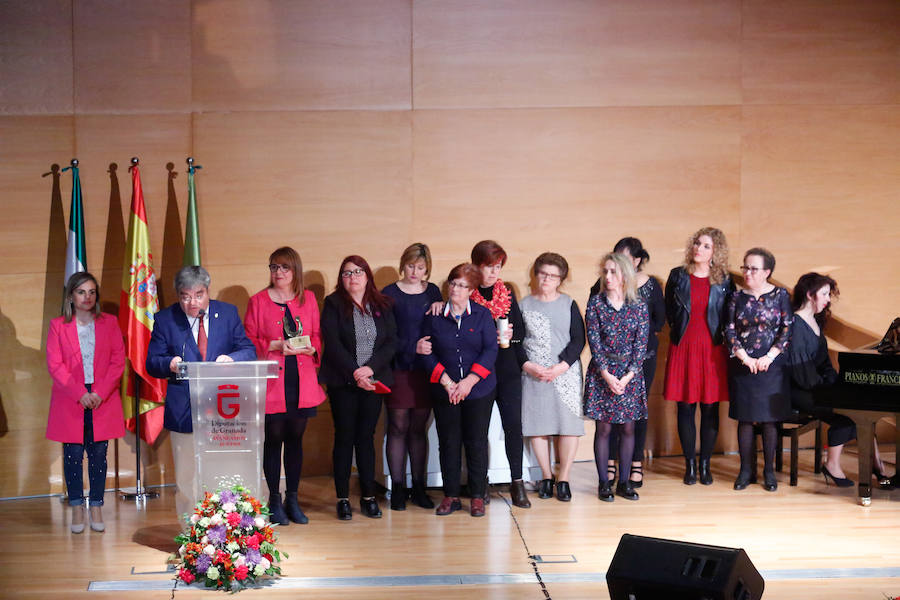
(85, 357)
(283, 323)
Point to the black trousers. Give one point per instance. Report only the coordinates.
(509, 403)
(464, 424)
(355, 412)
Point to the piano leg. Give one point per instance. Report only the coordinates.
(865, 436)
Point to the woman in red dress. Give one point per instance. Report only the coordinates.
(697, 369)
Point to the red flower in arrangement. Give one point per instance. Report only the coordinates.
(253, 541)
(268, 557)
(233, 519)
(221, 556)
(186, 576)
(241, 573)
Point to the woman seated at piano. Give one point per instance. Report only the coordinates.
(811, 369)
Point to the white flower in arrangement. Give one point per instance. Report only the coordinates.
(194, 518)
(204, 522)
(204, 540)
(232, 546)
(246, 507)
(228, 507)
(258, 570)
(264, 563)
(240, 560)
(209, 550)
(212, 573)
(214, 498)
(216, 519)
(182, 550)
(259, 522)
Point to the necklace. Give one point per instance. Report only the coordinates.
(500, 301)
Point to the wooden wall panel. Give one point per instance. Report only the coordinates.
(36, 49)
(30, 147)
(573, 53)
(327, 183)
(820, 189)
(132, 57)
(289, 55)
(810, 52)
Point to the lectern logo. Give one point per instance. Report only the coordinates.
(233, 407)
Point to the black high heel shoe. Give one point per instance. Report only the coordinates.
(838, 481)
(884, 482)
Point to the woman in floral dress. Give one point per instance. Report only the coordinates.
(618, 325)
(758, 328)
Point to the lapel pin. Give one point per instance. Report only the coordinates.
(216, 315)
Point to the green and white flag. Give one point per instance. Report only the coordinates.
(191, 228)
(76, 256)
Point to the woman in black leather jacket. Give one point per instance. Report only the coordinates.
(697, 368)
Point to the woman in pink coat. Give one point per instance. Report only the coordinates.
(282, 321)
(85, 357)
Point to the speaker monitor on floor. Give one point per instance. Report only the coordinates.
(645, 568)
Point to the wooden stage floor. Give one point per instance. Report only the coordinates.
(810, 541)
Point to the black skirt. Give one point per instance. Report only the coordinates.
(762, 397)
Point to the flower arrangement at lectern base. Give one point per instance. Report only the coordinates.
(229, 544)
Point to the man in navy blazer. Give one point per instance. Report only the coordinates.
(179, 332)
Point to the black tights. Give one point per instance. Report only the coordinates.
(407, 433)
(626, 448)
(687, 428)
(287, 432)
(746, 445)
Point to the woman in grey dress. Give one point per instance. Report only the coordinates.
(551, 377)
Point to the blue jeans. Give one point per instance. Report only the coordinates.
(73, 457)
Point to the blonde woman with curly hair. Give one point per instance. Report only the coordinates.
(697, 368)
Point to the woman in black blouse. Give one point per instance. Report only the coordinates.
(758, 327)
(811, 371)
(360, 337)
(650, 291)
(500, 299)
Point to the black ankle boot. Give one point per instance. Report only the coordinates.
(420, 496)
(276, 510)
(398, 496)
(690, 471)
(293, 510)
(705, 474)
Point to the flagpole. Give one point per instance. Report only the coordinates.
(140, 494)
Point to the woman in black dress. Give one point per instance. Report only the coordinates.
(409, 403)
(758, 328)
(650, 291)
(811, 371)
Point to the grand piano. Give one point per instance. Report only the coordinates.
(867, 390)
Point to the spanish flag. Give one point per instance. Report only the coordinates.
(137, 309)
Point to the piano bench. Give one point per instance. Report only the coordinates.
(794, 428)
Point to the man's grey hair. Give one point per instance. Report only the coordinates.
(190, 277)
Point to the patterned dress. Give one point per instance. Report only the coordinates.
(618, 342)
(554, 332)
(756, 325)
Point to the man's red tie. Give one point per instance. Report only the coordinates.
(201, 340)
